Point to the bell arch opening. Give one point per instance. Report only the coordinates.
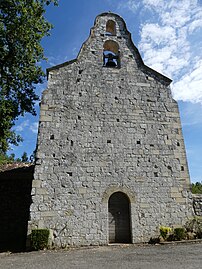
(111, 54)
(110, 27)
(119, 218)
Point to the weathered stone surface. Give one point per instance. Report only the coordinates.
(197, 203)
(104, 130)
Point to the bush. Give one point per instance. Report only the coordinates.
(39, 239)
(195, 226)
(199, 234)
(191, 230)
(196, 188)
(179, 233)
(171, 237)
(154, 240)
(165, 232)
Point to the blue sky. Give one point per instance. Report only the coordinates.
(168, 35)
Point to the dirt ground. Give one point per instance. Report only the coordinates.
(180, 256)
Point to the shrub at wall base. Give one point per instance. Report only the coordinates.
(40, 239)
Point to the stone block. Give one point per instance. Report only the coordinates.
(43, 107)
(143, 84)
(36, 183)
(45, 118)
(174, 189)
(180, 200)
(176, 195)
(41, 224)
(33, 192)
(82, 190)
(41, 191)
(48, 214)
(145, 205)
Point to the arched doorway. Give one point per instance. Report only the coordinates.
(119, 218)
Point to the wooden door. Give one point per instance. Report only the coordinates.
(119, 218)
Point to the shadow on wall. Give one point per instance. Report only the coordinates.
(15, 200)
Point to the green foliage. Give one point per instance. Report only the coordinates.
(179, 233)
(39, 239)
(169, 234)
(24, 157)
(197, 187)
(165, 231)
(6, 159)
(22, 26)
(154, 240)
(191, 230)
(194, 226)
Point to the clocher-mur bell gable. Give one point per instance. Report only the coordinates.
(111, 163)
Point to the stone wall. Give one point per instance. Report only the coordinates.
(15, 200)
(197, 204)
(104, 130)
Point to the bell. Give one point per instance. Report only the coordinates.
(110, 63)
(110, 60)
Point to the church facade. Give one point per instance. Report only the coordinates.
(111, 163)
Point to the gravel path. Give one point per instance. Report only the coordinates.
(187, 256)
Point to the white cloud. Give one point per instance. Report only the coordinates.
(58, 59)
(189, 87)
(163, 48)
(52, 60)
(34, 127)
(170, 42)
(156, 34)
(169, 46)
(55, 60)
(130, 4)
(154, 3)
(195, 25)
(21, 127)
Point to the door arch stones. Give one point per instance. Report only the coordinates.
(116, 188)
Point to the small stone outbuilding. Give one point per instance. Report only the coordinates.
(111, 163)
(15, 199)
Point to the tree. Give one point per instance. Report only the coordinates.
(22, 26)
(197, 188)
(4, 159)
(24, 157)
